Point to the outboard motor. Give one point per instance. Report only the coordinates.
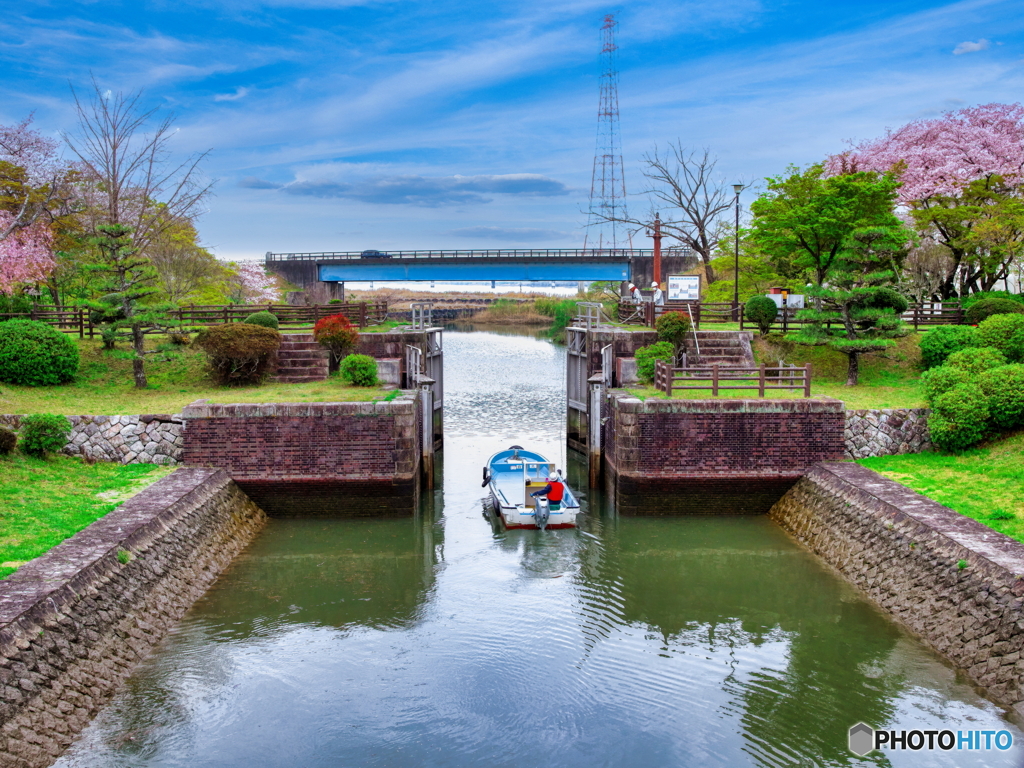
(541, 513)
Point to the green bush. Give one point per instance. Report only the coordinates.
(360, 370)
(8, 440)
(673, 327)
(239, 353)
(1004, 388)
(264, 318)
(886, 297)
(986, 308)
(15, 304)
(968, 301)
(35, 354)
(959, 418)
(646, 357)
(1004, 332)
(43, 433)
(761, 311)
(938, 381)
(976, 359)
(939, 343)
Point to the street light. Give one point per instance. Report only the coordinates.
(737, 188)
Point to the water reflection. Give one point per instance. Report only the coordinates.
(448, 641)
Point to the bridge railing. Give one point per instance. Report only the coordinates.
(610, 254)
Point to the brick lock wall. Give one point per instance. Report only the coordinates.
(75, 621)
(313, 459)
(715, 456)
(904, 551)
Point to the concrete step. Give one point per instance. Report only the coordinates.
(307, 354)
(292, 363)
(296, 337)
(302, 346)
(288, 379)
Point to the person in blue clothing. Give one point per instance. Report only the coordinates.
(554, 490)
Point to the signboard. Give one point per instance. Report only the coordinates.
(793, 300)
(683, 288)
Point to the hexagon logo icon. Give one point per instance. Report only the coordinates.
(862, 739)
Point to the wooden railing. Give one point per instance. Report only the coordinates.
(929, 313)
(78, 319)
(762, 378)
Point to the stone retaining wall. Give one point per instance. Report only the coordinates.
(886, 432)
(147, 439)
(76, 621)
(906, 551)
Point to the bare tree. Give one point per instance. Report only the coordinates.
(133, 193)
(683, 190)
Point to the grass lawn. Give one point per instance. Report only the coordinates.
(44, 502)
(176, 378)
(984, 483)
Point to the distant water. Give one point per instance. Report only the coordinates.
(446, 641)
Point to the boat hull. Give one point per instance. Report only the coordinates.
(513, 477)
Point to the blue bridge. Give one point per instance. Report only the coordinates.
(578, 264)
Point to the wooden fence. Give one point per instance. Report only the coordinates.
(78, 319)
(929, 313)
(762, 378)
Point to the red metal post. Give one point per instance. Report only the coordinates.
(656, 236)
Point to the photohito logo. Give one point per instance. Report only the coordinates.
(863, 739)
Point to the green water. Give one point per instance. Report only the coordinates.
(446, 641)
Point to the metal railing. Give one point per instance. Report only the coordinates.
(762, 378)
(609, 254)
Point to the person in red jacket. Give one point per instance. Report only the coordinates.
(554, 490)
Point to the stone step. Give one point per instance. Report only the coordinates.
(301, 337)
(289, 379)
(309, 346)
(303, 354)
(292, 363)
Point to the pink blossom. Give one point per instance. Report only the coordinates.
(26, 254)
(256, 284)
(943, 154)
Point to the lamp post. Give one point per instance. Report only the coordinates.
(737, 188)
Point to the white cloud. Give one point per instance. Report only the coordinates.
(240, 93)
(969, 47)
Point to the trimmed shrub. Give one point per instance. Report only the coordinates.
(1003, 332)
(761, 311)
(887, 297)
(239, 353)
(35, 354)
(15, 305)
(264, 318)
(976, 359)
(986, 308)
(938, 381)
(1004, 388)
(939, 343)
(959, 418)
(970, 300)
(646, 357)
(44, 433)
(8, 440)
(673, 327)
(359, 370)
(337, 334)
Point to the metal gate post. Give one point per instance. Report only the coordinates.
(594, 434)
(427, 436)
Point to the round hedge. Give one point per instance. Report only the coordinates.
(973, 298)
(939, 343)
(976, 359)
(959, 418)
(1004, 388)
(886, 297)
(34, 354)
(44, 433)
(938, 381)
(264, 318)
(761, 311)
(239, 353)
(1005, 333)
(360, 370)
(986, 308)
(673, 327)
(646, 357)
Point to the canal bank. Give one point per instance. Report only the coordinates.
(438, 639)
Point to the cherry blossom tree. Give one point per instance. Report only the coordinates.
(26, 254)
(254, 285)
(962, 175)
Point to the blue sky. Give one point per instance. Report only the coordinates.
(349, 124)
